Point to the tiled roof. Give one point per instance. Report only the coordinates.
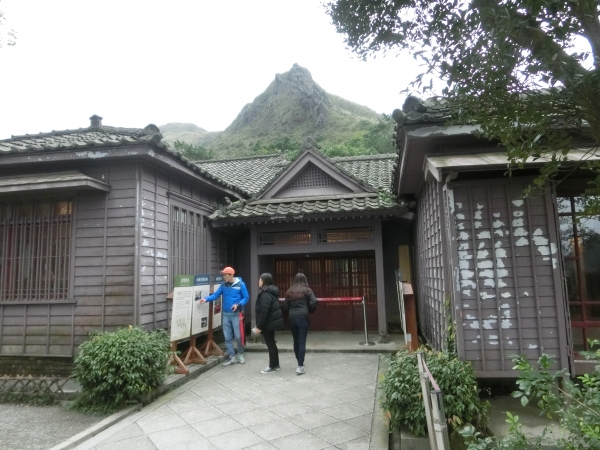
(249, 174)
(375, 170)
(416, 110)
(98, 136)
(300, 208)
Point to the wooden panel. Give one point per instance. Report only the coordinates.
(505, 261)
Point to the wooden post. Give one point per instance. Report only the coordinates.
(210, 347)
(192, 355)
(175, 361)
(410, 310)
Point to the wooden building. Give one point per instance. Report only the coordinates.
(95, 223)
(517, 275)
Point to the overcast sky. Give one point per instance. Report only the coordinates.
(137, 62)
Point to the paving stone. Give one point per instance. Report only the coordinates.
(344, 412)
(137, 443)
(300, 392)
(338, 433)
(130, 432)
(322, 401)
(201, 414)
(236, 440)
(271, 399)
(365, 403)
(154, 424)
(357, 444)
(188, 404)
(275, 429)
(262, 446)
(362, 423)
(255, 417)
(175, 437)
(293, 408)
(214, 427)
(238, 406)
(311, 420)
(300, 441)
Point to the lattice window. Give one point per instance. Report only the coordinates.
(35, 250)
(346, 235)
(189, 242)
(301, 237)
(431, 266)
(312, 177)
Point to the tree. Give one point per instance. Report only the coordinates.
(192, 152)
(515, 67)
(6, 37)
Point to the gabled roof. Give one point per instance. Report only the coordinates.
(249, 174)
(98, 136)
(374, 170)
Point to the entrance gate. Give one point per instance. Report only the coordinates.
(334, 277)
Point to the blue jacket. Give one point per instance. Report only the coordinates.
(233, 294)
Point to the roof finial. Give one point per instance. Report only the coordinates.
(95, 121)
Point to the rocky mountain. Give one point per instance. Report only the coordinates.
(292, 108)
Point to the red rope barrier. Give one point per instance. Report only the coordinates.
(433, 383)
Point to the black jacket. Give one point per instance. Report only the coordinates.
(301, 307)
(268, 310)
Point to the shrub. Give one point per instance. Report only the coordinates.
(575, 405)
(114, 368)
(403, 400)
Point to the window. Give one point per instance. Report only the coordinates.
(285, 238)
(35, 250)
(189, 242)
(346, 235)
(580, 240)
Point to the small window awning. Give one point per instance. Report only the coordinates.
(434, 165)
(59, 181)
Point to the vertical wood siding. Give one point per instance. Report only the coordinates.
(104, 253)
(156, 239)
(430, 265)
(506, 291)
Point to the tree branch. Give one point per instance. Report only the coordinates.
(587, 13)
(531, 37)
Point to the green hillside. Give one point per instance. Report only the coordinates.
(292, 108)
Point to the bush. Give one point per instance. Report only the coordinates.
(575, 405)
(402, 397)
(114, 368)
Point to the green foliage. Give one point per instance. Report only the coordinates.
(401, 391)
(575, 405)
(27, 398)
(193, 152)
(511, 66)
(114, 368)
(374, 139)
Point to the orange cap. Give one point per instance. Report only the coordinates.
(228, 270)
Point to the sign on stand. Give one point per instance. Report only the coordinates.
(218, 303)
(183, 297)
(200, 311)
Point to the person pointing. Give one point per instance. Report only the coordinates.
(235, 296)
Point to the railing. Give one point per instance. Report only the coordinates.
(434, 407)
(349, 299)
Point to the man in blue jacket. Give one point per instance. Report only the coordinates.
(235, 296)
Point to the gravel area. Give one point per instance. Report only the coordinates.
(25, 427)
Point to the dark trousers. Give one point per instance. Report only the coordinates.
(269, 336)
(299, 327)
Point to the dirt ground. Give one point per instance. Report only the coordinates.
(25, 427)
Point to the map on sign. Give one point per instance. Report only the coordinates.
(181, 318)
(200, 311)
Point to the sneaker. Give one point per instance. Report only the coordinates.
(270, 370)
(230, 361)
(241, 358)
(300, 370)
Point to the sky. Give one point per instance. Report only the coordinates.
(137, 62)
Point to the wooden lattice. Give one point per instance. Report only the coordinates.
(30, 386)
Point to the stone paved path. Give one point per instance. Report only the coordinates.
(237, 407)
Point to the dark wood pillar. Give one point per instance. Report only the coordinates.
(254, 272)
(381, 316)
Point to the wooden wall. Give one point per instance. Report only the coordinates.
(506, 275)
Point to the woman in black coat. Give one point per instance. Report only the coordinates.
(269, 318)
(300, 301)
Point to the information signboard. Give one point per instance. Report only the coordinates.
(183, 297)
(218, 303)
(200, 311)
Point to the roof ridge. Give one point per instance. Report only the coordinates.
(101, 128)
(241, 158)
(364, 157)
